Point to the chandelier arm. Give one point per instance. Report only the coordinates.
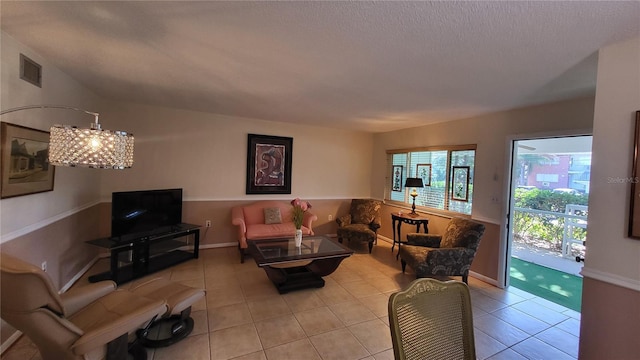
(28, 107)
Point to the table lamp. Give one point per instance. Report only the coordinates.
(413, 183)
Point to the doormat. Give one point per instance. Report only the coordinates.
(556, 286)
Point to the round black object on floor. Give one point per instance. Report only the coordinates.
(165, 332)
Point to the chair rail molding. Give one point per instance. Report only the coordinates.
(614, 279)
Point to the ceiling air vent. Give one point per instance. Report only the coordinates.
(30, 71)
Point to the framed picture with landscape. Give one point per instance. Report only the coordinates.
(269, 164)
(25, 161)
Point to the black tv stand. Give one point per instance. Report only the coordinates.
(135, 256)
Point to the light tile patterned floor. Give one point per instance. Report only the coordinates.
(244, 317)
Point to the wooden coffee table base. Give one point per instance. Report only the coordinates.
(302, 277)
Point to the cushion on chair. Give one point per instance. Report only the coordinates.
(413, 255)
(272, 231)
(117, 313)
(177, 295)
(357, 230)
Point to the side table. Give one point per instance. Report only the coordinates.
(407, 219)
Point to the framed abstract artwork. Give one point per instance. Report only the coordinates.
(423, 171)
(269, 164)
(396, 176)
(25, 161)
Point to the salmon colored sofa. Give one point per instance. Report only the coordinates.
(250, 220)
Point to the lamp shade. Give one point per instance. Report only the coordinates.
(93, 148)
(414, 182)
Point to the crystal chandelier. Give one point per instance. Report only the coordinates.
(92, 148)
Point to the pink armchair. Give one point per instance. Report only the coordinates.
(254, 225)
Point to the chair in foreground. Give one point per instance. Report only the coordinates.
(91, 322)
(361, 223)
(450, 254)
(432, 320)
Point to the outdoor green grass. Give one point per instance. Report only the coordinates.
(561, 288)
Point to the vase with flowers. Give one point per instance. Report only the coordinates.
(297, 215)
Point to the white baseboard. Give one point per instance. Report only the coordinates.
(82, 271)
(219, 245)
(486, 279)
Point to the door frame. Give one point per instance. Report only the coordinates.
(504, 258)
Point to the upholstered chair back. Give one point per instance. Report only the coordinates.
(25, 287)
(29, 302)
(365, 211)
(462, 232)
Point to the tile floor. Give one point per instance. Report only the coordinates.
(244, 317)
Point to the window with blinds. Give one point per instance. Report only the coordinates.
(446, 172)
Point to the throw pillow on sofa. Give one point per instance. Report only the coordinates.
(272, 216)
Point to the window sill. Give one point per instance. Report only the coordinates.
(425, 210)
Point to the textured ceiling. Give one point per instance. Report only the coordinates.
(373, 66)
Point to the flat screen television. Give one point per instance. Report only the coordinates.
(142, 213)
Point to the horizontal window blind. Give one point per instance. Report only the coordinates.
(447, 175)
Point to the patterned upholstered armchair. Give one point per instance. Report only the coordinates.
(362, 222)
(449, 254)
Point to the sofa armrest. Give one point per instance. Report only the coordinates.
(237, 218)
(374, 226)
(307, 220)
(428, 240)
(344, 220)
(77, 298)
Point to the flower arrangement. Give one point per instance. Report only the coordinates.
(299, 208)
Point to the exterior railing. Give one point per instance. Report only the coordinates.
(566, 228)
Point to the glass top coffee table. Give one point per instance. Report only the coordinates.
(292, 268)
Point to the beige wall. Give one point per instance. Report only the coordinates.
(74, 188)
(491, 133)
(206, 155)
(611, 290)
